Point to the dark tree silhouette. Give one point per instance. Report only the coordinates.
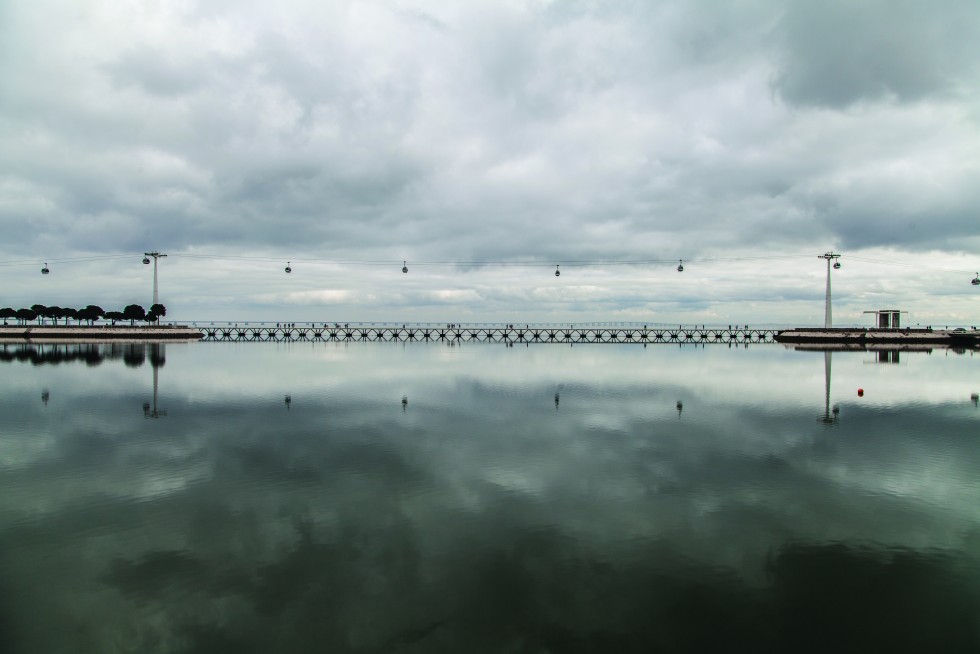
(54, 313)
(91, 313)
(134, 312)
(95, 311)
(156, 311)
(40, 312)
(26, 315)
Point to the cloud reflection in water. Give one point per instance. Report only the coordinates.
(478, 517)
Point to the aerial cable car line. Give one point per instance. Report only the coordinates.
(518, 264)
(380, 262)
(580, 263)
(31, 262)
(904, 264)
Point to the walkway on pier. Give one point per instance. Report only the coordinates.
(510, 334)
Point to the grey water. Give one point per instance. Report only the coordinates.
(379, 497)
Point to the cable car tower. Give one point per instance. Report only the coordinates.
(146, 260)
(828, 321)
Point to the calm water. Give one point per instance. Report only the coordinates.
(424, 498)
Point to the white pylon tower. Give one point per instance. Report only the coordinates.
(828, 320)
(156, 288)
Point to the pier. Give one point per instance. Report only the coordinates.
(69, 333)
(487, 334)
(882, 337)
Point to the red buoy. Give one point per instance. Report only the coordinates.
(860, 392)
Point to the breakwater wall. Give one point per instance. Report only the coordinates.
(880, 337)
(99, 333)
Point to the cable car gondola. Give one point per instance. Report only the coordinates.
(146, 260)
(680, 266)
(404, 266)
(288, 267)
(837, 265)
(45, 271)
(976, 280)
(557, 272)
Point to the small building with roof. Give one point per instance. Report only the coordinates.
(888, 318)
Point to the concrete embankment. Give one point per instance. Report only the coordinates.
(967, 338)
(99, 333)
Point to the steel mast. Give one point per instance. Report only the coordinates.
(156, 288)
(828, 320)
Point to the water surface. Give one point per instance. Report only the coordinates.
(267, 497)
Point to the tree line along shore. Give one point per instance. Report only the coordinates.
(90, 314)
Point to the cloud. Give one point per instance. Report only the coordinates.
(155, 73)
(523, 131)
(839, 53)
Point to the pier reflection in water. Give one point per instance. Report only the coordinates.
(565, 499)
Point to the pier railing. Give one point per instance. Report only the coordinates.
(485, 334)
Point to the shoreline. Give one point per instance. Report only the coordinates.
(20, 333)
(871, 337)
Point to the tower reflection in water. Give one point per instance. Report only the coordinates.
(133, 355)
(158, 358)
(830, 415)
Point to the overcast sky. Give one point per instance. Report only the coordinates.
(325, 132)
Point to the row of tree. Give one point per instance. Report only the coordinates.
(89, 314)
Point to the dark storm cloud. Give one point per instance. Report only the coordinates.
(838, 53)
(862, 226)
